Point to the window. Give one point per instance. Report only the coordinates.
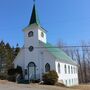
(74, 70)
(69, 69)
(58, 68)
(69, 82)
(72, 81)
(66, 82)
(30, 34)
(42, 34)
(65, 68)
(31, 48)
(32, 64)
(47, 67)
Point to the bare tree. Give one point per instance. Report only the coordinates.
(82, 55)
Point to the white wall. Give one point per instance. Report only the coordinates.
(45, 57)
(29, 41)
(72, 78)
(43, 39)
(19, 60)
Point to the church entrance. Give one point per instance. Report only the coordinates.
(31, 71)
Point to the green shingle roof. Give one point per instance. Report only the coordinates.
(59, 54)
(34, 17)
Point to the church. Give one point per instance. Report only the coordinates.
(38, 56)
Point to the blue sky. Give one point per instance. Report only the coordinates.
(66, 20)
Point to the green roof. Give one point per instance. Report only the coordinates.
(59, 54)
(34, 17)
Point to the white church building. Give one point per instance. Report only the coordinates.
(38, 56)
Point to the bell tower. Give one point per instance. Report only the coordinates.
(34, 32)
(33, 35)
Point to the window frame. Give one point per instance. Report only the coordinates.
(68, 69)
(47, 67)
(58, 68)
(31, 48)
(30, 34)
(71, 70)
(42, 34)
(65, 68)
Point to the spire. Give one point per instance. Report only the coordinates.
(34, 16)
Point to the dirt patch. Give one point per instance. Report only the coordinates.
(82, 87)
(5, 85)
(3, 81)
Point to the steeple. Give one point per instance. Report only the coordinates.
(34, 16)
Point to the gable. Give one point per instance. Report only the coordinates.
(19, 60)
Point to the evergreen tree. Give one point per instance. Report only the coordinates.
(2, 57)
(17, 50)
(9, 55)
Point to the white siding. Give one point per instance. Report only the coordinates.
(19, 60)
(71, 79)
(43, 39)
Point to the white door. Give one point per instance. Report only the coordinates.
(32, 71)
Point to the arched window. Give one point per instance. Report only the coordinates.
(58, 68)
(42, 34)
(66, 82)
(69, 82)
(74, 69)
(47, 67)
(30, 34)
(65, 68)
(31, 48)
(72, 81)
(69, 69)
(31, 64)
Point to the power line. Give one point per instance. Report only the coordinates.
(79, 48)
(63, 47)
(73, 46)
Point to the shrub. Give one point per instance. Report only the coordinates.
(11, 78)
(12, 71)
(50, 78)
(11, 75)
(3, 76)
(19, 70)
